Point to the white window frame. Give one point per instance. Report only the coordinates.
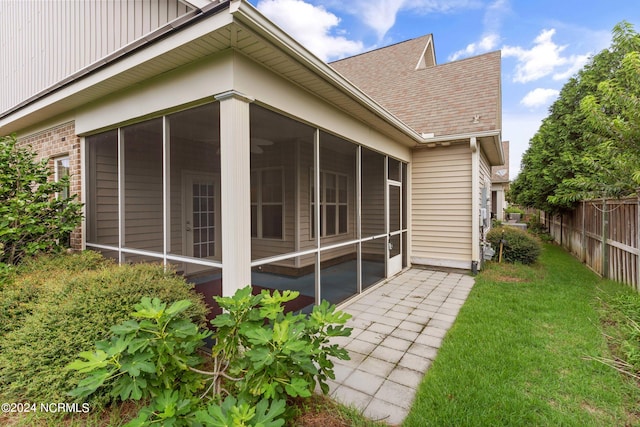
(324, 203)
(57, 175)
(259, 203)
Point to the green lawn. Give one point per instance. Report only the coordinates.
(520, 353)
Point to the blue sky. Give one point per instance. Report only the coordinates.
(543, 42)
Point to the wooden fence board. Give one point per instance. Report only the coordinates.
(603, 234)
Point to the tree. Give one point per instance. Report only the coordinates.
(613, 111)
(585, 147)
(32, 218)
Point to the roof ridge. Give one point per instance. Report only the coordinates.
(382, 47)
(493, 52)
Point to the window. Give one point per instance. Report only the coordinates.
(267, 203)
(333, 204)
(61, 170)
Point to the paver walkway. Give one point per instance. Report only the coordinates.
(397, 330)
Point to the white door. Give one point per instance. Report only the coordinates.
(394, 239)
(200, 234)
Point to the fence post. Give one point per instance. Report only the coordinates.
(583, 244)
(637, 278)
(605, 237)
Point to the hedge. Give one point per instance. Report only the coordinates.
(519, 246)
(61, 305)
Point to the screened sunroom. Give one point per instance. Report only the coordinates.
(328, 216)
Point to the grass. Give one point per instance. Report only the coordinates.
(522, 351)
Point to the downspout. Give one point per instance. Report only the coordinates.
(475, 205)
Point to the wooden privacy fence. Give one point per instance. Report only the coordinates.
(604, 235)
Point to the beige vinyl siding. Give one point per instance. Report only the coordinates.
(143, 205)
(52, 39)
(441, 203)
(104, 202)
(373, 211)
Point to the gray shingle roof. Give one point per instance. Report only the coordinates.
(441, 99)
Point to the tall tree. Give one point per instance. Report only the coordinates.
(570, 157)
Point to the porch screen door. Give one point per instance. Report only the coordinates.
(394, 242)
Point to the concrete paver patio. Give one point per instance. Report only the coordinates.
(397, 330)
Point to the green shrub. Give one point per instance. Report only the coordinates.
(519, 246)
(32, 218)
(36, 277)
(535, 225)
(514, 209)
(76, 262)
(58, 313)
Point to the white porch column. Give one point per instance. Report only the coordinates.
(235, 177)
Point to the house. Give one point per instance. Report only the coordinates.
(500, 185)
(200, 135)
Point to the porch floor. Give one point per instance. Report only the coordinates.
(398, 328)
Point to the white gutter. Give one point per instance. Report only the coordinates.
(460, 136)
(475, 203)
(494, 134)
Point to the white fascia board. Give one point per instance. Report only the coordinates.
(251, 18)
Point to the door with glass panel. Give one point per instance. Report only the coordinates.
(394, 243)
(200, 234)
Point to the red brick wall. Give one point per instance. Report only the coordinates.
(59, 141)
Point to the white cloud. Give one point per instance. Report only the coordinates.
(578, 61)
(485, 44)
(543, 59)
(539, 97)
(312, 26)
(380, 15)
(491, 36)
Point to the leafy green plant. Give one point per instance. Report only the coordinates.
(517, 245)
(148, 358)
(7, 273)
(534, 225)
(49, 315)
(32, 218)
(261, 357)
(277, 355)
(145, 357)
(234, 413)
